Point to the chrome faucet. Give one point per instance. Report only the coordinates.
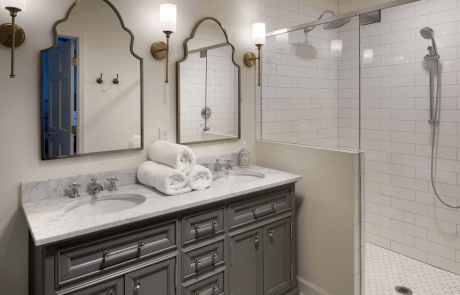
(74, 190)
(95, 188)
(218, 166)
(112, 185)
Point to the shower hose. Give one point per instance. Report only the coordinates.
(433, 137)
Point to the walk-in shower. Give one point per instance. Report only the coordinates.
(351, 85)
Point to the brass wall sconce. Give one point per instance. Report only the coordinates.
(258, 36)
(116, 81)
(99, 80)
(12, 35)
(168, 21)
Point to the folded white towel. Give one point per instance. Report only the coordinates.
(134, 142)
(180, 157)
(162, 177)
(200, 178)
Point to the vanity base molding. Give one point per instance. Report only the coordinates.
(243, 245)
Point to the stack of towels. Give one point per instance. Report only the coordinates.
(173, 170)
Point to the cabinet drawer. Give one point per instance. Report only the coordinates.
(253, 209)
(111, 287)
(87, 258)
(211, 285)
(203, 225)
(203, 258)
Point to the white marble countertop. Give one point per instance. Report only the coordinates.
(49, 223)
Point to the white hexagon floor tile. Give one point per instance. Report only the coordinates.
(386, 269)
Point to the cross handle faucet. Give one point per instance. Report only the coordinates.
(113, 184)
(74, 190)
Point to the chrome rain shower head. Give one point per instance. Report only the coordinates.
(335, 24)
(428, 33)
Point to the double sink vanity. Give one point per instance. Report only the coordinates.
(237, 237)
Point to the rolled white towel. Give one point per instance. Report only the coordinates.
(200, 178)
(162, 177)
(180, 157)
(134, 142)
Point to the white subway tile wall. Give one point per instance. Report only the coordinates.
(303, 100)
(219, 76)
(402, 212)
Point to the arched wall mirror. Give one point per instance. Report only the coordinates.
(208, 87)
(91, 85)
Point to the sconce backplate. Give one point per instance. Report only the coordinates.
(250, 59)
(6, 33)
(158, 50)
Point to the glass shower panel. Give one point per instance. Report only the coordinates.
(310, 86)
(412, 238)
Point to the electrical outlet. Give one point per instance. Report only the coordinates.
(164, 133)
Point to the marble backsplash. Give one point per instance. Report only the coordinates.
(59, 187)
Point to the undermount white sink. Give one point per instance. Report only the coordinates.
(238, 177)
(105, 205)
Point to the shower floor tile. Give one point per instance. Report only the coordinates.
(386, 269)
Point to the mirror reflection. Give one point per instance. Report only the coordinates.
(209, 88)
(91, 98)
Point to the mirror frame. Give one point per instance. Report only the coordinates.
(42, 88)
(178, 125)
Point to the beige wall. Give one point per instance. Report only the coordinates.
(325, 200)
(19, 107)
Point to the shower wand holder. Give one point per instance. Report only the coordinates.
(433, 122)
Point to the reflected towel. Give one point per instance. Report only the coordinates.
(200, 178)
(179, 157)
(162, 177)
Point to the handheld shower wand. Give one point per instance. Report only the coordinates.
(428, 34)
(433, 57)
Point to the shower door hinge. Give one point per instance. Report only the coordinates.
(73, 129)
(74, 61)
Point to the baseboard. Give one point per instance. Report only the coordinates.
(308, 288)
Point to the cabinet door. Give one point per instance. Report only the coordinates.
(111, 287)
(246, 263)
(277, 256)
(158, 278)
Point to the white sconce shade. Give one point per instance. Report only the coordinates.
(168, 17)
(258, 33)
(21, 4)
(336, 48)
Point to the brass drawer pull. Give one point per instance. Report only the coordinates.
(270, 233)
(199, 261)
(212, 289)
(110, 291)
(107, 255)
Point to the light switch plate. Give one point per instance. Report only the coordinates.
(164, 133)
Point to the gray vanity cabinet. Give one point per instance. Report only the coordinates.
(247, 263)
(242, 245)
(158, 278)
(261, 260)
(277, 256)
